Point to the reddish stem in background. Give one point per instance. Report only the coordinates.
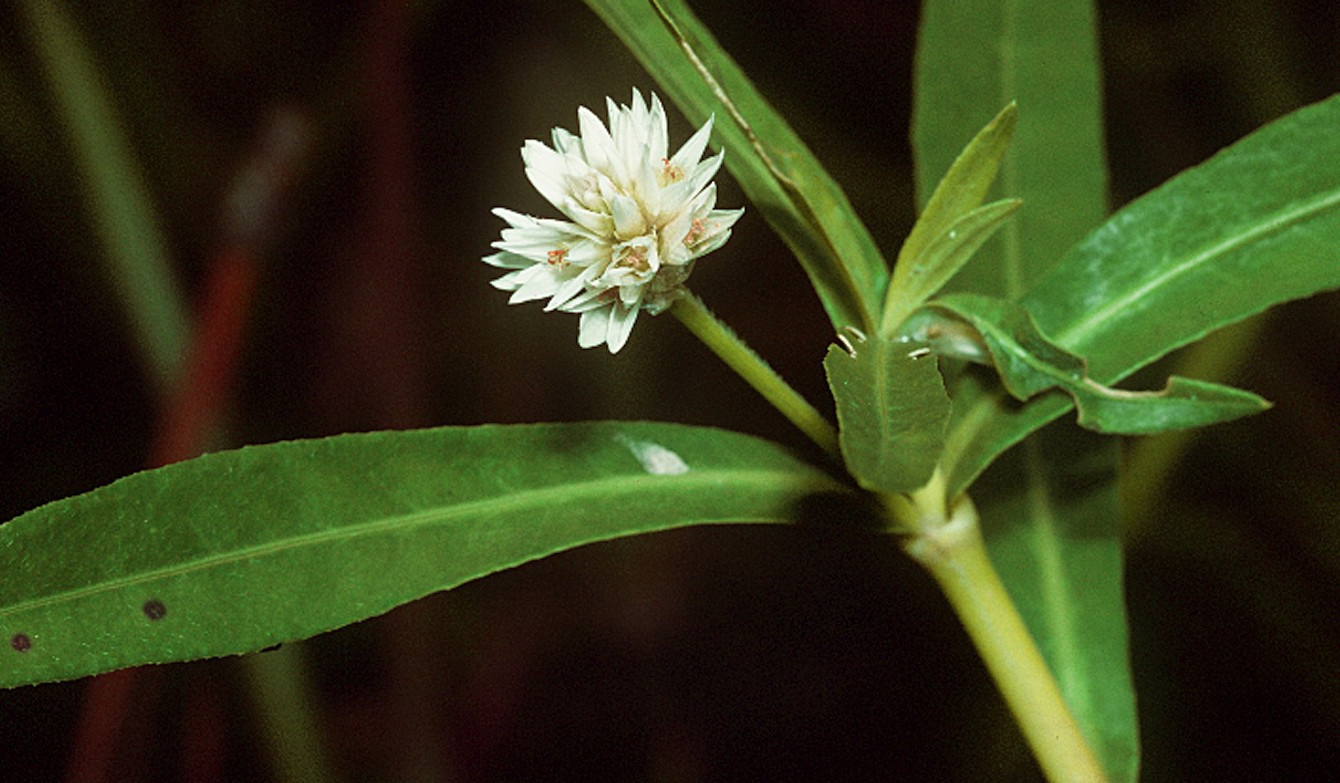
(194, 412)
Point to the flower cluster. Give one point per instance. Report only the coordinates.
(638, 219)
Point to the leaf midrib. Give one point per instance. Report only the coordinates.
(514, 501)
(1080, 330)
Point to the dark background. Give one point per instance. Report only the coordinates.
(697, 655)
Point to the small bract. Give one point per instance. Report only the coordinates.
(638, 219)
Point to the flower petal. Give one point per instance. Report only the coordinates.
(596, 142)
(594, 327)
(621, 323)
(688, 155)
(628, 221)
(507, 260)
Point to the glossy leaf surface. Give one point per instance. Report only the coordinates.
(804, 205)
(891, 410)
(960, 191)
(1254, 226)
(1030, 364)
(239, 550)
(939, 261)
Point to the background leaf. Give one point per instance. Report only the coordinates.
(238, 550)
(841, 259)
(1049, 511)
(892, 411)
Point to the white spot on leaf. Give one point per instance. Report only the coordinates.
(655, 458)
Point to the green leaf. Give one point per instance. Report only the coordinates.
(122, 211)
(936, 263)
(1254, 226)
(1052, 531)
(892, 410)
(962, 189)
(1052, 538)
(777, 171)
(239, 550)
(974, 56)
(1029, 364)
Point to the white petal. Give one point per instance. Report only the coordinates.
(547, 171)
(567, 289)
(566, 142)
(621, 325)
(595, 222)
(514, 280)
(587, 300)
(596, 141)
(515, 219)
(711, 243)
(657, 142)
(703, 173)
(720, 219)
(594, 327)
(688, 155)
(538, 286)
(507, 261)
(628, 221)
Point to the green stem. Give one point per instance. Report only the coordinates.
(282, 694)
(750, 366)
(953, 551)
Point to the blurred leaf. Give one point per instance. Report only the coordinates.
(777, 171)
(117, 198)
(918, 274)
(1029, 364)
(1052, 532)
(892, 411)
(1254, 226)
(239, 550)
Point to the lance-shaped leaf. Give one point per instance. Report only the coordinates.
(781, 176)
(891, 408)
(239, 550)
(1029, 363)
(935, 264)
(1256, 225)
(922, 267)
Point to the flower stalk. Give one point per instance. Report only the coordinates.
(757, 373)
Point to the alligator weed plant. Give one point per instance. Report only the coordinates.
(1014, 301)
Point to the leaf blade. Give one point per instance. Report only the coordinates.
(940, 259)
(1146, 282)
(240, 550)
(892, 410)
(1029, 364)
(832, 244)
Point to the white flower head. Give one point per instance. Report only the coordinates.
(638, 219)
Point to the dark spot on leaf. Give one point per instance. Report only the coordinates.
(20, 642)
(154, 609)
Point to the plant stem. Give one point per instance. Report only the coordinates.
(955, 554)
(726, 344)
(282, 694)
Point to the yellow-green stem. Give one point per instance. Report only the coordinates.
(955, 555)
(732, 350)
